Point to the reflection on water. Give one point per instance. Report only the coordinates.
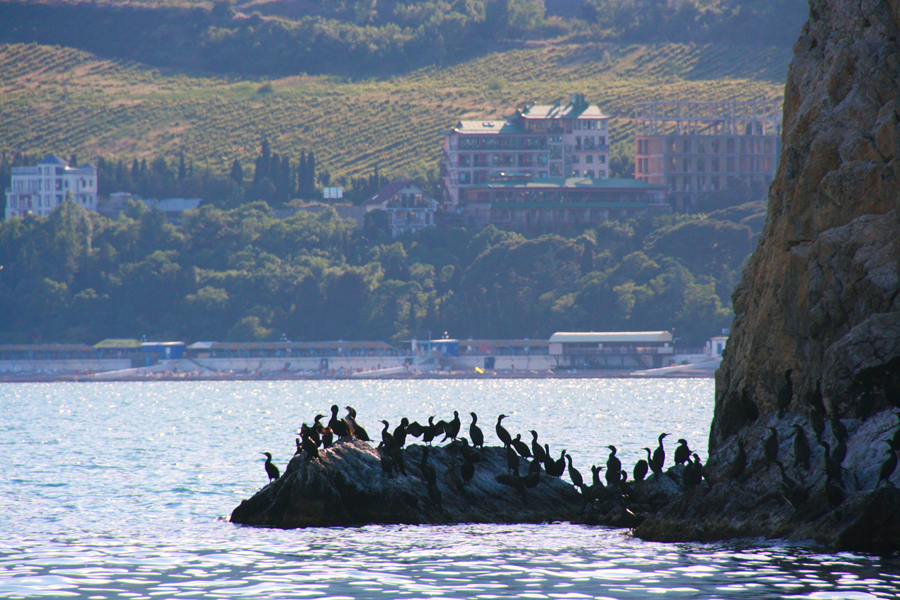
(118, 491)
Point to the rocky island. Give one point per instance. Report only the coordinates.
(805, 437)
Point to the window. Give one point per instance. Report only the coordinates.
(601, 159)
(589, 174)
(576, 159)
(589, 159)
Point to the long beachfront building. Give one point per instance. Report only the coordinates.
(538, 141)
(40, 189)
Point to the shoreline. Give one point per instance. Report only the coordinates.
(290, 376)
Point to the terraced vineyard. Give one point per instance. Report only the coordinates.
(67, 101)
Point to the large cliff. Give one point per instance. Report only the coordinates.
(820, 296)
(820, 293)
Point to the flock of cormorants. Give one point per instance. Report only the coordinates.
(538, 458)
(796, 493)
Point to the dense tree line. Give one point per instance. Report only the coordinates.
(242, 274)
(362, 38)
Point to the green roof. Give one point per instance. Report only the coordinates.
(572, 182)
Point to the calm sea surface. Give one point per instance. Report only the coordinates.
(122, 490)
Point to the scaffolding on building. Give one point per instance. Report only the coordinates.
(751, 117)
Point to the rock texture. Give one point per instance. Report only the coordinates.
(820, 295)
(346, 486)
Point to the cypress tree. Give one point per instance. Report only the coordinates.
(237, 172)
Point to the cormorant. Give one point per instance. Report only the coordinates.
(682, 452)
(386, 438)
(817, 422)
(536, 449)
(327, 438)
(475, 433)
(832, 467)
(839, 453)
(814, 398)
(431, 430)
(866, 401)
(659, 455)
(512, 460)
(751, 411)
(502, 433)
(740, 461)
(624, 488)
(521, 447)
(318, 429)
(299, 447)
(415, 429)
(451, 431)
(428, 472)
(888, 466)
(467, 470)
(786, 393)
(770, 447)
(434, 493)
(400, 433)
(271, 469)
(559, 466)
(642, 467)
(387, 463)
(548, 460)
(833, 491)
(310, 447)
(337, 425)
(310, 432)
(613, 467)
(694, 472)
(801, 447)
(534, 475)
(356, 430)
(575, 475)
(838, 430)
(792, 491)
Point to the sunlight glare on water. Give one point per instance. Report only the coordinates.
(122, 490)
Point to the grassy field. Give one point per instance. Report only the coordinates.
(67, 101)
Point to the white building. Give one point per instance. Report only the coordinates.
(40, 189)
(540, 141)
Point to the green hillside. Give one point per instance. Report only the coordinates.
(68, 101)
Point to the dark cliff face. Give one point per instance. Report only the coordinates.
(821, 293)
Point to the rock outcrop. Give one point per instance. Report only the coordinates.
(347, 486)
(821, 296)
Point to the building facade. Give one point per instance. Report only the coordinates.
(541, 141)
(40, 189)
(408, 208)
(556, 204)
(700, 148)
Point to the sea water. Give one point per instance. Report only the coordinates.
(123, 490)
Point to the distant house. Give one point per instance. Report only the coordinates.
(409, 209)
(40, 189)
(172, 207)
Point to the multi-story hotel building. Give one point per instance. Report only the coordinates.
(698, 148)
(38, 190)
(538, 141)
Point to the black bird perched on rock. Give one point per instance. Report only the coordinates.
(386, 438)
(641, 467)
(415, 429)
(451, 430)
(785, 393)
(356, 430)
(613, 467)
(319, 432)
(817, 422)
(431, 430)
(428, 472)
(770, 447)
(387, 463)
(310, 447)
(740, 461)
(512, 460)
(888, 466)
(337, 425)
(502, 433)
(575, 475)
(838, 429)
(659, 456)
(271, 469)
(693, 473)
(832, 467)
(556, 467)
(814, 398)
(521, 447)
(467, 470)
(400, 433)
(833, 491)
(748, 406)
(801, 447)
(475, 433)
(682, 452)
(792, 491)
(536, 449)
